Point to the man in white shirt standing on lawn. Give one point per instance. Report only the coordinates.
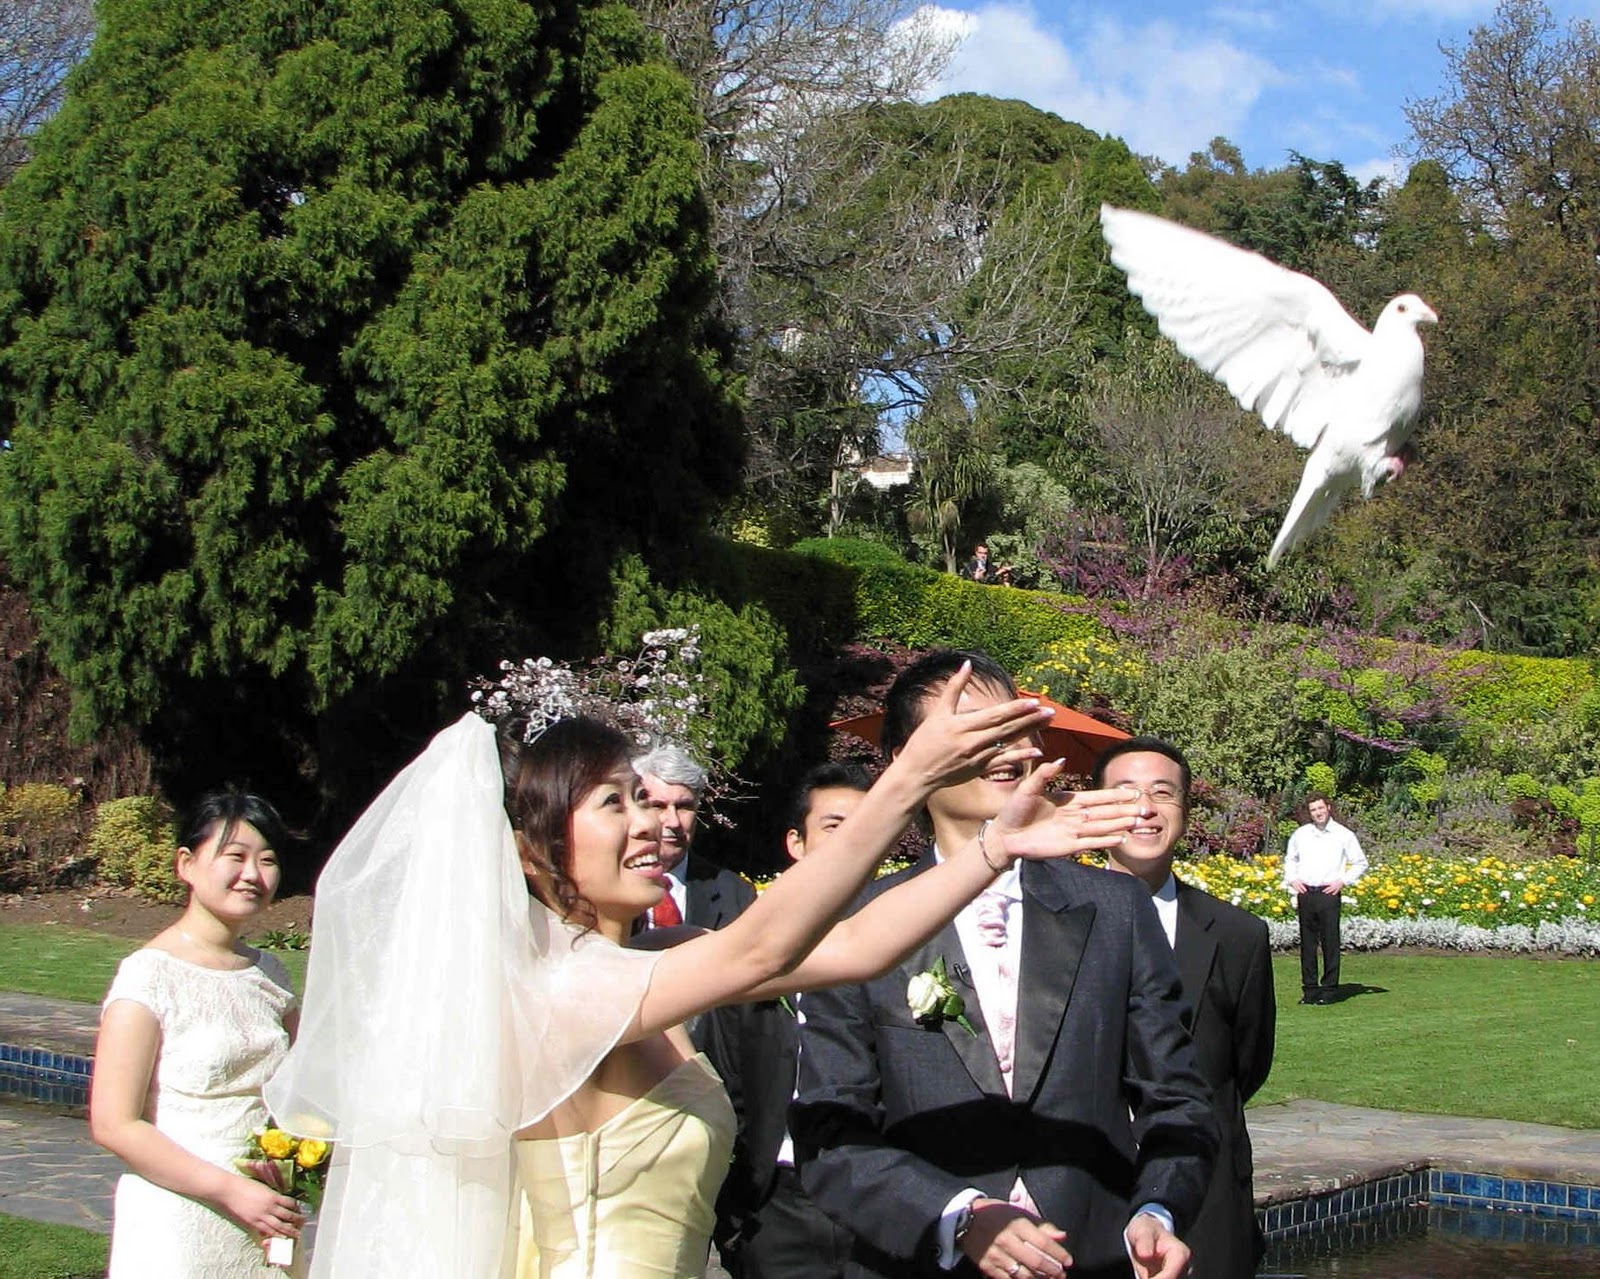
(1322, 858)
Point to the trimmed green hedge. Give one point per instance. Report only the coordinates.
(922, 608)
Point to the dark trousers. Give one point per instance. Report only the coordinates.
(1319, 926)
(790, 1238)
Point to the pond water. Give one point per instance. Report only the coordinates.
(1429, 1243)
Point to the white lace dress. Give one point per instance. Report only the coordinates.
(222, 1035)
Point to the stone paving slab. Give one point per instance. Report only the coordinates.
(51, 1171)
(1306, 1146)
(32, 1021)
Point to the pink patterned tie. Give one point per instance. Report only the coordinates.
(1002, 1021)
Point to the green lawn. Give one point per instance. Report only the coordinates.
(75, 963)
(1500, 1038)
(32, 1250)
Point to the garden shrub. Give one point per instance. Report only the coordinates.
(1225, 706)
(811, 598)
(923, 608)
(132, 843)
(1080, 670)
(1225, 823)
(1503, 688)
(1524, 786)
(41, 836)
(1424, 772)
(1321, 779)
(752, 689)
(1581, 805)
(1561, 745)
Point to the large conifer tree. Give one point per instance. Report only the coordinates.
(338, 337)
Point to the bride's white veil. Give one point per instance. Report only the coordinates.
(444, 1010)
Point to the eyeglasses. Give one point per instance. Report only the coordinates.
(1156, 793)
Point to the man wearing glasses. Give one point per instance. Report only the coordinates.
(1225, 965)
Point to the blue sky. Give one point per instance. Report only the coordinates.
(1327, 78)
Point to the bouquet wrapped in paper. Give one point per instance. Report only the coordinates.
(293, 1166)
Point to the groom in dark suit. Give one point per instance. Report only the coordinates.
(1225, 964)
(1067, 1127)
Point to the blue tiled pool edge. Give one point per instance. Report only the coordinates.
(1427, 1186)
(45, 1075)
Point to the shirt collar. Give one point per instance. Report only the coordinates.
(1008, 884)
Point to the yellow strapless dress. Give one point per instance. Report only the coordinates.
(635, 1197)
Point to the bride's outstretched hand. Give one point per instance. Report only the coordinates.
(952, 745)
(1032, 824)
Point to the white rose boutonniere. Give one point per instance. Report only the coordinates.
(932, 999)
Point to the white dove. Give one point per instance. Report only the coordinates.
(1286, 349)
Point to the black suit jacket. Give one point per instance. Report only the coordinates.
(754, 1048)
(1225, 963)
(894, 1119)
(714, 896)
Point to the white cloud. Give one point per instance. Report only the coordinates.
(1346, 78)
(1167, 90)
(1406, 10)
(1390, 168)
(1243, 17)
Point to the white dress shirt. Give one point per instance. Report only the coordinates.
(1319, 855)
(1166, 902)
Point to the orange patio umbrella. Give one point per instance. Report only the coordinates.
(1070, 735)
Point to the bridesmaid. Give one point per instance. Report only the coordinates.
(191, 1028)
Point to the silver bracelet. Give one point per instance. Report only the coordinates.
(983, 850)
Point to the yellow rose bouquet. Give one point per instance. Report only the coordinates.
(293, 1166)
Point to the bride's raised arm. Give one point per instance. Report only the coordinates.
(789, 939)
(893, 924)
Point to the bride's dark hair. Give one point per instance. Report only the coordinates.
(545, 781)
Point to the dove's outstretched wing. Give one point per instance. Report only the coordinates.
(1286, 349)
(1278, 340)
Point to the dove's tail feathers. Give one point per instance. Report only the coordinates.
(1314, 501)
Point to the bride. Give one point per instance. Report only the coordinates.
(458, 1032)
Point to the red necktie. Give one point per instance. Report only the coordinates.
(665, 913)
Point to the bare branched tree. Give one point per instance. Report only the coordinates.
(40, 41)
(1176, 451)
(1519, 126)
(863, 260)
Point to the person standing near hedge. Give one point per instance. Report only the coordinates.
(194, 1024)
(1323, 856)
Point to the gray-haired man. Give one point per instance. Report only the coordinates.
(698, 892)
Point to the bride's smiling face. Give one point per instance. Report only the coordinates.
(615, 846)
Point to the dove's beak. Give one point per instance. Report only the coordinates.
(1427, 315)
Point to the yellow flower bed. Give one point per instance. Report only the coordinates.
(1483, 890)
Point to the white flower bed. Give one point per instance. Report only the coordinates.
(1358, 932)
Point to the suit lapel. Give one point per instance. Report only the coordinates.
(1195, 948)
(975, 1050)
(1054, 934)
